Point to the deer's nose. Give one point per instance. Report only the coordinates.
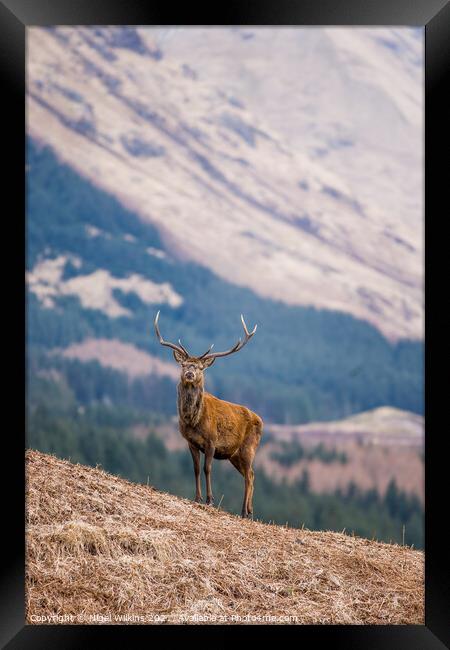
(189, 374)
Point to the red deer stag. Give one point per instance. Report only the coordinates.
(217, 428)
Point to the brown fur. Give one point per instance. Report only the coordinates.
(217, 428)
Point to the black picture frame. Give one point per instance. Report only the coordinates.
(434, 16)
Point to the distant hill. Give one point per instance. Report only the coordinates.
(103, 550)
(381, 426)
(368, 450)
(301, 149)
(123, 357)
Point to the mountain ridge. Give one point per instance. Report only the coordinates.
(322, 364)
(192, 159)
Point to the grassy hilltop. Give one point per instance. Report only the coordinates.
(108, 550)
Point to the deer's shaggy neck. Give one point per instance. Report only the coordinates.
(190, 402)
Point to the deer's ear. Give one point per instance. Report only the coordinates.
(208, 362)
(179, 358)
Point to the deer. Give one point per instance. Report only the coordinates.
(212, 426)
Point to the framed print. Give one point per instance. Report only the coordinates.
(227, 254)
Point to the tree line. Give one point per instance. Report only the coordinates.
(304, 364)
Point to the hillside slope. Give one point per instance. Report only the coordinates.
(299, 148)
(99, 547)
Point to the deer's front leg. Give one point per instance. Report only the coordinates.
(209, 455)
(196, 459)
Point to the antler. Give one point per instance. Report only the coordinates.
(238, 346)
(179, 348)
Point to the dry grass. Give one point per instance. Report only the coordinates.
(100, 547)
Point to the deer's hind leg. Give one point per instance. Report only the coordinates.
(250, 493)
(254, 443)
(243, 461)
(240, 465)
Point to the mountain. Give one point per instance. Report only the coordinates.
(157, 178)
(301, 149)
(97, 274)
(103, 550)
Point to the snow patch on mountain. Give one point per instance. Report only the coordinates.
(95, 290)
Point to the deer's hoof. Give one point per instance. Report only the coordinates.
(198, 500)
(210, 501)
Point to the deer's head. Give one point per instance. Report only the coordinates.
(192, 367)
